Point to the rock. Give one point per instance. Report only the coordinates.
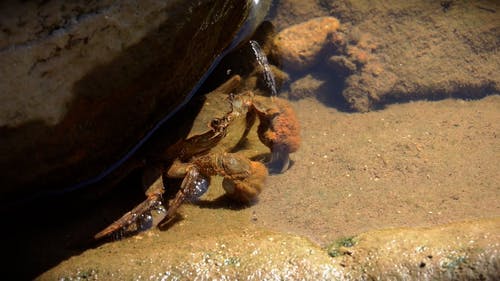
(256, 255)
(459, 251)
(256, 81)
(83, 83)
(363, 90)
(292, 12)
(341, 65)
(305, 87)
(300, 45)
(368, 80)
(425, 56)
(421, 53)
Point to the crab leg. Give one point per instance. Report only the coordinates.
(278, 129)
(193, 186)
(153, 201)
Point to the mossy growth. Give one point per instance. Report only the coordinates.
(454, 262)
(339, 246)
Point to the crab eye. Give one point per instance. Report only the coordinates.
(215, 122)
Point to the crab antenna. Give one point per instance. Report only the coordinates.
(261, 58)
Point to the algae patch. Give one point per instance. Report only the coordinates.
(340, 246)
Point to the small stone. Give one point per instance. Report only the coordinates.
(358, 55)
(305, 87)
(301, 44)
(341, 65)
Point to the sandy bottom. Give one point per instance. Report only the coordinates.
(414, 164)
(421, 163)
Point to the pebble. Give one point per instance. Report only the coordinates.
(301, 44)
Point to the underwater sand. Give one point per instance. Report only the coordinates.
(415, 164)
(420, 163)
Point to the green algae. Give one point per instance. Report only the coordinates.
(338, 248)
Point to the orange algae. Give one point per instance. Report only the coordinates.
(285, 131)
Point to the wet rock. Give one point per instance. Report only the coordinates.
(305, 87)
(408, 49)
(300, 45)
(341, 65)
(370, 80)
(254, 255)
(292, 12)
(364, 89)
(256, 81)
(460, 251)
(423, 52)
(82, 83)
(352, 57)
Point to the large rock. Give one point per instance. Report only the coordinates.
(394, 51)
(300, 45)
(460, 251)
(82, 83)
(423, 51)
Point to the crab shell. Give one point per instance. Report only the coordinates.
(276, 129)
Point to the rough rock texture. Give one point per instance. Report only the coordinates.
(290, 12)
(81, 83)
(402, 50)
(424, 50)
(300, 45)
(461, 251)
(304, 87)
(414, 164)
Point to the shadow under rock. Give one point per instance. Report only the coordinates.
(330, 91)
(41, 234)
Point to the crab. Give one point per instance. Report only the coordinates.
(214, 152)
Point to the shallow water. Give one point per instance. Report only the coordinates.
(420, 163)
(415, 164)
(403, 164)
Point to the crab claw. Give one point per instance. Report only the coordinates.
(243, 179)
(279, 161)
(279, 130)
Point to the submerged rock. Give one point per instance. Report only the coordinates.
(305, 87)
(82, 84)
(459, 251)
(398, 51)
(300, 45)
